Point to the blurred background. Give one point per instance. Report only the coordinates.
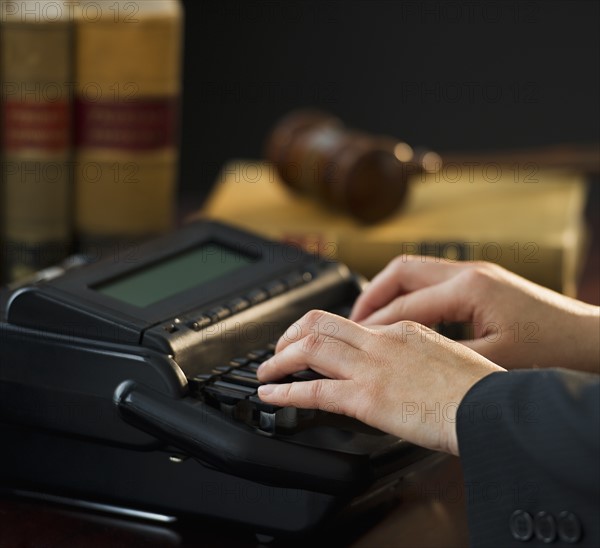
(448, 75)
(117, 119)
(452, 76)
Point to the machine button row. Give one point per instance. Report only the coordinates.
(253, 297)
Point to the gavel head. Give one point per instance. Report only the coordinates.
(359, 174)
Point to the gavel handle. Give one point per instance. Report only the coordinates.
(584, 158)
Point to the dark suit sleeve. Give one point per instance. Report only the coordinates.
(530, 450)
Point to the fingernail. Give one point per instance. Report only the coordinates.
(266, 389)
(261, 367)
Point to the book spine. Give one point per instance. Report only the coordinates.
(542, 262)
(36, 170)
(553, 266)
(128, 86)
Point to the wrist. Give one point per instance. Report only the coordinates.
(587, 342)
(449, 436)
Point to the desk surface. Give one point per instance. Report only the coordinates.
(430, 513)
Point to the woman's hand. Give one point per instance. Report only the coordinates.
(404, 378)
(516, 322)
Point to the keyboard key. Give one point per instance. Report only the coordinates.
(293, 280)
(218, 313)
(201, 322)
(221, 369)
(252, 366)
(239, 304)
(249, 391)
(263, 406)
(244, 381)
(307, 276)
(287, 417)
(257, 296)
(238, 362)
(272, 417)
(227, 396)
(246, 373)
(274, 288)
(258, 355)
(198, 382)
(267, 422)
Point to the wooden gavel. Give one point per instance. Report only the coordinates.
(363, 175)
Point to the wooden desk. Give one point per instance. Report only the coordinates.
(430, 513)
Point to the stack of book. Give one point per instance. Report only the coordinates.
(89, 127)
(529, 221)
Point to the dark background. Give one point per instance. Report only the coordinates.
(449, 75)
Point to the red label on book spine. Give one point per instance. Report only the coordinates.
(40, 126)
(138, 125)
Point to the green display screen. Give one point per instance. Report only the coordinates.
(175, 275)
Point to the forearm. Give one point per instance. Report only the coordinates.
(587, 344)
(571, 341)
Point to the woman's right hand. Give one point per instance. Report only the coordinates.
(516, 323)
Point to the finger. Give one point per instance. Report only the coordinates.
(326, 394)
(403, 275)
(444, 302)
(328, 356)
(326, 324)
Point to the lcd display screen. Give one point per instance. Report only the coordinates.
(175, 275)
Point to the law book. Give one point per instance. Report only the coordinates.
(36, 171)
(128, 88)
(531, 223)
